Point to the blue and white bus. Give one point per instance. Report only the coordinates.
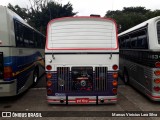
(21, 54)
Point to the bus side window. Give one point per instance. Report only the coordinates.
(18, 34)
(142, 40)
(127, 40)
(26, 37)
(158, 31)
(35, 40)
(120, 42)
(133, 41)
(31, 39)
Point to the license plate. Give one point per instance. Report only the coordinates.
(82, 100)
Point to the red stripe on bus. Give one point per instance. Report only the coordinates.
(153, 96)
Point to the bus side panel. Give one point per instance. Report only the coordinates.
(4, 30)
(24, 62)
(142, 76)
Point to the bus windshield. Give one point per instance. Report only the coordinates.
(82, 33)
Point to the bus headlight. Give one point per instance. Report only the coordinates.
(115, 67)
(115, 75)
(157, 81)
(49, 91)
(49, 75)
(49, 83)
(156, 88)
(157, 64)
(48, 67)
(114, 90)
(157, 72)
(114, 83)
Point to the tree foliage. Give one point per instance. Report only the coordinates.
(131, 16)
(20, 11)
(42, 11)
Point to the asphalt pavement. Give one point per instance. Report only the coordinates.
(34, 99)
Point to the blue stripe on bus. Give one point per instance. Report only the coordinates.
(20, 63)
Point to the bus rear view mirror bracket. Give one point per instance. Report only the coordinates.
(110, 56)
(53, 56)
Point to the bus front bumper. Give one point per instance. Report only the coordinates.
(82, 99)
(154, 97)
(8, 88)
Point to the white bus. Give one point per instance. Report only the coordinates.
(140, 57)
(81, 59)
(21, 54)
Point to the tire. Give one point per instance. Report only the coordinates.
(35, 76)
(126, 77)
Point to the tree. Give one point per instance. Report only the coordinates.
(20, 11)
(131, 16)
(41, 15)
(42, 11)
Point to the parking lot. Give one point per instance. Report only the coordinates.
(35, 100)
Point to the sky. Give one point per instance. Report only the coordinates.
(87, 7)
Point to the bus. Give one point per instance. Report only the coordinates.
(140, 57)
(21, 54)
(81, 60)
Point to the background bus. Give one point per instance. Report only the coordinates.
(21, 54)
(81, 59)
(140, 57)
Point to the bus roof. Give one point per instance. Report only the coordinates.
(140, 25)
(16, 16)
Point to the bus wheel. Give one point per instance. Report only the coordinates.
(126, 78)
(35, 76)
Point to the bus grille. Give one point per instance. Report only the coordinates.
(82, 78)
(100, 78)
(66, 84)
(63, 77)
